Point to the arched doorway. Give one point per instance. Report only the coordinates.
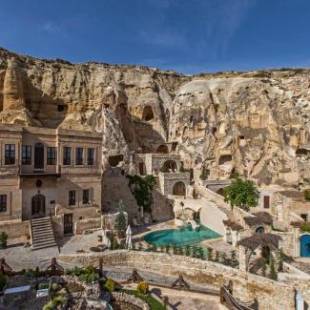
(179, 189)
(162, 149)
(147, 114)
(38, 205)
(39, 156)
(305, 246)
(169, 166)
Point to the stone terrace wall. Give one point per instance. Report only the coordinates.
(270, 294)
(17, 231)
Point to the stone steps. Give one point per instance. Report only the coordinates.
(42, 233)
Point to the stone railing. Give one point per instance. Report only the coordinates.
(270, 294)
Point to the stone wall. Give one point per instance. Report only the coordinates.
(168, 180)
(83, 225)
(17, 231)
(270, 294)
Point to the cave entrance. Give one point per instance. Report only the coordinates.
(115, 160)
(162, 149)
(224, 159)
(147, 114)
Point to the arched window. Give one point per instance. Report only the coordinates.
(147, 114)
(179, 189)
(169, 166)
(38, 205)
(260, 230)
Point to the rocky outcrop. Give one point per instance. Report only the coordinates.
(254, 123)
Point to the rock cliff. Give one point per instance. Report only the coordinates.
(252, 123)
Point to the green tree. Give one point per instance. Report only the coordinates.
(241, 193)
(120, 220)
(142, 189)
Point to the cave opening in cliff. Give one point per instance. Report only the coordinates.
(224, 159)
(115, 160)
(162, 149)
(179, 189)
(169, 166)
(302, 151)
(147, 114)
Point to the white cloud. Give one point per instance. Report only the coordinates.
(51, 27)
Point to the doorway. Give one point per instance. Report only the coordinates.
(68, 224)
(38, 206)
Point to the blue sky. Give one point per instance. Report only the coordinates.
(189, 36)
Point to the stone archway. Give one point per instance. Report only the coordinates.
(169, 166)
(163, 149)
(147, 113)
(179, 189)
(38, 205)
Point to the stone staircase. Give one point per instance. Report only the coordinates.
(42, 233)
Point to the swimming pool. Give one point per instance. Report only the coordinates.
(180, 237)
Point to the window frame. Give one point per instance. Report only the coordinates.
(71, 199)
(90, 150)
(27, 150)
(86, 190)
(51, 160)
(3, 203)
(79, 156)
(67, 160)
(11, 151)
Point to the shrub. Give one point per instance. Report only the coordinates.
(307, 194)
(3, 239)
(273, 273)
(110, 285)
(120, 222)
(305, 227)
(3, 281)
(187, 250)
(210, 254)
(143, 288)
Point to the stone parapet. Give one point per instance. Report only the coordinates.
(271, 295)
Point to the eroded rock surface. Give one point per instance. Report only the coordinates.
(255, 123)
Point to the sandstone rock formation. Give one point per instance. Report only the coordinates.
(255, 123)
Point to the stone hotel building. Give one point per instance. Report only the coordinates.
(49, 174)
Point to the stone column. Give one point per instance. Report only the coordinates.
(242, 258)
(234, 237)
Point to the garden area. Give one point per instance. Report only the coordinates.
(76, 288)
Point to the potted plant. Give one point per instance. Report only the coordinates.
(3, 240)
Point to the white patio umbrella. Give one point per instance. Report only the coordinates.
(105, 240)
(128, 238)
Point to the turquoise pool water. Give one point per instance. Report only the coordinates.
(180, 237)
